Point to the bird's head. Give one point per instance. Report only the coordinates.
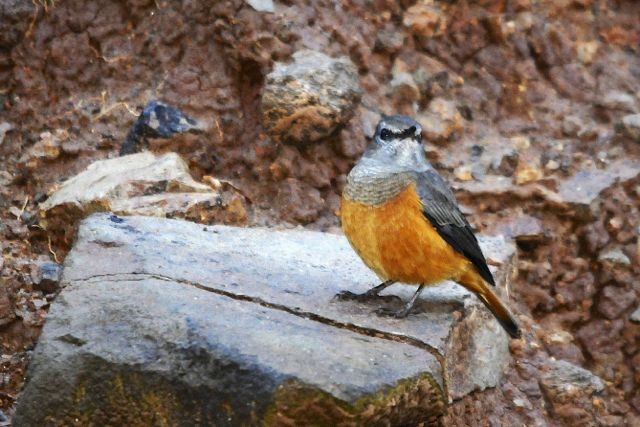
(397, 142)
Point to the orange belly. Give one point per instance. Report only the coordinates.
(398, 243)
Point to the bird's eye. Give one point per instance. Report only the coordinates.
(385, 134)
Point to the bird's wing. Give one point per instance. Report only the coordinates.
(441, 209)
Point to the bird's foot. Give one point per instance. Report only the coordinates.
(398, 314)
(364, 297)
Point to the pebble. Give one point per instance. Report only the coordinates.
(441, 120)
(629, 126)
(617, 100)
(615, 256)
(4, 128)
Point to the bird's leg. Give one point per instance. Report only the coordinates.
(365, 296)
(403, 312)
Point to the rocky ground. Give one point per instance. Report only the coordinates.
(530, 109)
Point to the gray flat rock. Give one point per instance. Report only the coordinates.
(214, 310)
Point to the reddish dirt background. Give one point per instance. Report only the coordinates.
(88, 67)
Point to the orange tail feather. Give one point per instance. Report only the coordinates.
(475, 284)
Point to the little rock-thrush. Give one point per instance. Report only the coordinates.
(403, 220)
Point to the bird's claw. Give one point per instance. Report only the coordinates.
(365, 297)
(398, 314)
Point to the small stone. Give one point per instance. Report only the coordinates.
(560, 345)
(405, 87)
(441, 120)
(158, 121)
(552, 165)
(521, 142)
(262, 5)
(614, 301)
(46, 149)
(309, 98)
(586, 51)
(572, 125)
(4, 128)
(39, 303)
(433, 77)
(425, 18)
(635, 316)
(630, 126)
(614, 256)
(523, 228)
(616, 223)
(505, 162)
(46, 276)
(617, 100)
(527, 171)
(72, 148)
(389, 39)
(5, 178)
(565, 382)
(463, 173)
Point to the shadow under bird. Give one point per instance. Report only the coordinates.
(403, 220)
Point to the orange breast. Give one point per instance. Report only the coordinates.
(397, 242)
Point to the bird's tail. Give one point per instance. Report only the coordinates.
(475, 284)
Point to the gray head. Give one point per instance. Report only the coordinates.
(397, 143)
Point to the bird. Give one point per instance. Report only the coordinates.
(403, 220)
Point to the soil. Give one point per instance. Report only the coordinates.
(550, 78)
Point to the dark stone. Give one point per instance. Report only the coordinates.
(157, 120)
(46, 276)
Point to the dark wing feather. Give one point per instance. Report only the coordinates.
(442, 211)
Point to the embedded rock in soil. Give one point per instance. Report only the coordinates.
(171, 319)
(425, 19)
(630, 126)
(635, 316)
(441, 120)
(47, 149)
(568, 390)
(4, 128)
(580, 193)
(309, 98)
(46, 276)
(158, 120)
(617, 100)
(142, 184)
(525, 229)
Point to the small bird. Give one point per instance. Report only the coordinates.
(403, 220)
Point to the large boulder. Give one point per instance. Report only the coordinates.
(182, 324)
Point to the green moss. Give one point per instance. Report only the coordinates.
(410, 402)
(125, 399)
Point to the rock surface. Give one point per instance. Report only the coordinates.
(440, 120)
(143, 184)
(630, 126)
(568, 390)
(308, 99)
(178, 319)
(580, 192)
